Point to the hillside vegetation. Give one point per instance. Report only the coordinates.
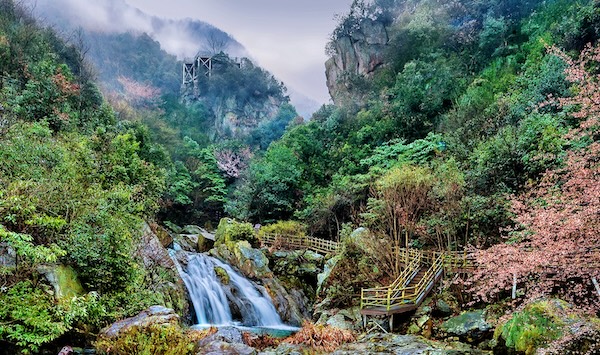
(457, 124)
(473, 124)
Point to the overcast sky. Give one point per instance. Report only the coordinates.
(286, 37)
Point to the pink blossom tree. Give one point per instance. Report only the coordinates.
(555, 246)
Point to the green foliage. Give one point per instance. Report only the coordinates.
(28, 318)
(31, 318)
(284, 228)
(534, 326)
(155, 340)
(27, 251)
(269, 191)
(230, 231)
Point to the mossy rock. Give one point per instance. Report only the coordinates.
(230, 231)
(64, 280)
(222, 275)
(470, 326)
(536, 325)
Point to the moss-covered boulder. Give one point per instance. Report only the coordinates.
(468, 326)
(552, 325)
(298, 269)
(230, 231)
(222, 275)
(64, 280)
(251, 262)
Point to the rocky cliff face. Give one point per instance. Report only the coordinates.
(358, 53)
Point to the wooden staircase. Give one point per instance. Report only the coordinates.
(409, 290)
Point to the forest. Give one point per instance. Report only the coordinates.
(476, 132)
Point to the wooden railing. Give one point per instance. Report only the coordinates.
(400, 293)
(288, 241)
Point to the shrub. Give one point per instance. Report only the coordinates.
(230, 230)
(536, 325)
(285, 228)
(155, 340)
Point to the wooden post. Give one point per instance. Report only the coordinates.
(391, 323)
(514, 288)
(596, 285)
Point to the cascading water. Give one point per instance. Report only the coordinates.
(210, 298)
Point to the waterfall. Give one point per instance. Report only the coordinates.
(211, 298)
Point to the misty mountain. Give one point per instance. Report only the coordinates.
(182, 38)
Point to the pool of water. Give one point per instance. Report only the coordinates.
(277, 332)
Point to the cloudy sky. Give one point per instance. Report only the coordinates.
(287, 37)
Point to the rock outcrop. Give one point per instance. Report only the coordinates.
(155, 315)
(359, 53)
(468, 326)
(162, 272)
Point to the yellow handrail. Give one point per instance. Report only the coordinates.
(299, 242)
(399, 293)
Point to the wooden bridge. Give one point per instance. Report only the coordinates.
(288, 241)
(421, 272)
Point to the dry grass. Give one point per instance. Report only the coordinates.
(260, 341)
(320, 337)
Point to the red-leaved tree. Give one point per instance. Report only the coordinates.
(555, 249)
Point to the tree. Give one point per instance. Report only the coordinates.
(554, 248)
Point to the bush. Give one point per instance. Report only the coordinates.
(284, 228)
(155, 340)
(536, 325)
(230, 230)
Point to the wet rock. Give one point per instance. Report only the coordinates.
(379, 343)
(251, 262)
(292, 305)
(469, 326)
(155, 315)
(227, 340)
(328, 268)
(206, 242)
(187, 242)
(162, 272)
(442, 309)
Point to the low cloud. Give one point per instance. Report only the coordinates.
(183, 38)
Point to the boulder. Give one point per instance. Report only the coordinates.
(64, 281)
(227, 340)
(191, 229)
(442, 308)
(379, 343)
(155, 315)
(470, 326)
(187, 242)
(161, 271)
(8, 256)
(206, 242)
(251, 262)
(291, 305)
(328, 268)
